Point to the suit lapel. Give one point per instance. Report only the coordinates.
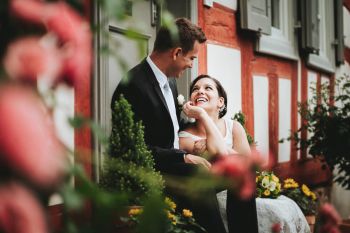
(173, 87)
(155, 84)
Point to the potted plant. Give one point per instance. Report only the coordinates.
(326, 118)
(304, 197)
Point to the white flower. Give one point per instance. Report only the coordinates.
(180, 100)
(265, 182)
(272, 186)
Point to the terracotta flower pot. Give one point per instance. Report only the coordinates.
(311, 219)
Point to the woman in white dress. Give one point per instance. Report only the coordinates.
(218, 136)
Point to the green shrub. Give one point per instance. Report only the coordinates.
(129, 165)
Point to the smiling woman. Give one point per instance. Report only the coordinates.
(214, 136)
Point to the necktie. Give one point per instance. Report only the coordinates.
(168, 95)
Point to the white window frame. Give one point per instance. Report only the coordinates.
(325, 60)
(282, 42)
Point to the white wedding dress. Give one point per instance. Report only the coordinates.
(270, 211)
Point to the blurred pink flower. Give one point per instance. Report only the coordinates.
(241, 169)
(276, 228)
(70, 28)
(329, 219)
(33, 57)
(28, 143)
(20, 211)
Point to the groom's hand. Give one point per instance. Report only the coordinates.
(194, 159)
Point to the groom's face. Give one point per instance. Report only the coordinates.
(183, 61)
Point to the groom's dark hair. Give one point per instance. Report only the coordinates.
(219, 87)
(187, 34)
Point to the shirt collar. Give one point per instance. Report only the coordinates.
(160, 76)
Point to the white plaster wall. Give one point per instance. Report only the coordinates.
(284, 118)
(311, 83)
(346, 27)
(299, 100)
(63, 110)
(228, 3)
(340, 72)
(224, 64)
(325, 81)
(261, 114)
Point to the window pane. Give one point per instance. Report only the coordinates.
(275, 13)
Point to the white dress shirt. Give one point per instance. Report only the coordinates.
(168, 96)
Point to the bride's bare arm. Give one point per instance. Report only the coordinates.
(215, 143)
(240, 142)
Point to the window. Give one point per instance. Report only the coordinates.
(322, 33)
(320, 23)
(277, 36)
(325, 59)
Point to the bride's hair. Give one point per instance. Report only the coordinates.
(219, 87)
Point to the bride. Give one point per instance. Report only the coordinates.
(216, 135)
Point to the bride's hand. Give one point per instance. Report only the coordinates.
(199, 146)
(192, 111)
(194, 159)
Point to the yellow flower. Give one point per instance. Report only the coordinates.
(171, 217)
(187, 213)
(290, 183)
(267, 192)
(256, 179)
(313, 196)
(305, 190)
(170, 203)
(134, 211)
(275, 178)
(278, 186)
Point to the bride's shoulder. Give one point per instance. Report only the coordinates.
(236, 126)
(189, 129)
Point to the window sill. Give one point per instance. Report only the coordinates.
(321, 62)
(277, 46)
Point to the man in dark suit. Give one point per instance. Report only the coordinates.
(152, 95)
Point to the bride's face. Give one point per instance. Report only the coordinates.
(205, 94)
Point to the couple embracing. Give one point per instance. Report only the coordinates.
(151, 90)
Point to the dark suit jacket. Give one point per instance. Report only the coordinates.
(141, 88)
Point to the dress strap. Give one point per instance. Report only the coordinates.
(185, 134)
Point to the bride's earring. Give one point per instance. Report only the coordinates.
(222, 108)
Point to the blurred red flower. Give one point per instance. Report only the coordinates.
(276, 228)
(20, 211)
(33, 57)
(72, 31)
(241, 169)
(329, 219)
(28, 143)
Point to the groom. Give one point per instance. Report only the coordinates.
(152, 95)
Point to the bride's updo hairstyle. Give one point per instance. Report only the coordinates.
(220, 89)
